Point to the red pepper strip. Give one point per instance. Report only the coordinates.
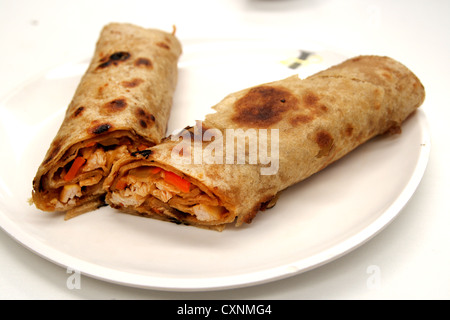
(121, 184)
(91, 144)
(143, 147)
(177, 181)
(155, 170)
(76, 165)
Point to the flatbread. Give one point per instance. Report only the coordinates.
(122, 104)
(315, 122)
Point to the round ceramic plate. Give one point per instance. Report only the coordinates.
(314, 222)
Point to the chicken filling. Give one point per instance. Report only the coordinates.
(84, 174)
(140, 184)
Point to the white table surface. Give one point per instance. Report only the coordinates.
(411, 254)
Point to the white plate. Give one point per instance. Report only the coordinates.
(313, 222)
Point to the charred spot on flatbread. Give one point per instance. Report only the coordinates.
(311, 108)
(349, 130)
(114, 59)
(145, 118)
(78, 112)
(101, 91)
(325, 142)
(311, 101)
(263, 106)
(144, 153)
(133, 83)
(115, 105)
(143, 62)
(99, 128)
(301, 119)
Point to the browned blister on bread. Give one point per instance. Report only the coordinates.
(121, 104)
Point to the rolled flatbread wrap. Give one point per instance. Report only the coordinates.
(121, 105)
(305, 125)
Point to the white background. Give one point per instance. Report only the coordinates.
(411, 254)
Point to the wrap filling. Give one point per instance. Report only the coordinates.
(143, 186)
(83, 169)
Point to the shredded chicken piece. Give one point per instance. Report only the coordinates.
(134, 195)
(139, 188)
(162, 195)
(57, 204)
(96, 160)
(117, 197)
(116, 154)
(207, 213)
(164, 186)
(69, 192)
